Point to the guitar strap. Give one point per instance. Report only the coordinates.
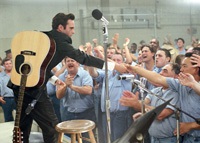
(32, 104)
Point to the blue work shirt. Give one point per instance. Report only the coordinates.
(115, 89)
(73, 101)
(51, 89)
(4, 90)
(166, 127)
(2, 72)
(189, 101)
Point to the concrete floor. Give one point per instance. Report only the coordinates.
(6, 135)
(1, 116)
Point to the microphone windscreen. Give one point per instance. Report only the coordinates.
(19, 60)
(97, 14)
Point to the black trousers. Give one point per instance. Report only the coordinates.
(44, 114)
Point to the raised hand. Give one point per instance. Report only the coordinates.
(127, 41)
(95, 42)
(186, 79)
(195, 59)
(115, 39)
(88, 48)
(99, 54)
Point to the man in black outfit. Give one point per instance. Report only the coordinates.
(43, 112)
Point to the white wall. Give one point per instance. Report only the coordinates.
(28, 15)
(173, 18)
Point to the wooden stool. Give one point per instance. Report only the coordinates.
(75, 128)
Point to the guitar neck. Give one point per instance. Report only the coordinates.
(20, 99)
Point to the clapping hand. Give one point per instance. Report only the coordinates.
(60, 84)
(129, 99)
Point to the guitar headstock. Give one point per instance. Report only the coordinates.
(17, 135)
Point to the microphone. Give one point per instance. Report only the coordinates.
(125, 77)
(129, 77)
(97, 14)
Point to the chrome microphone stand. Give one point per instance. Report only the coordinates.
(99, 16)
(107, 99)
(177, 113)
(142, 84)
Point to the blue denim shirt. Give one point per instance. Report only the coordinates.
(116, 88)
(73, 101)
(4, 90)
(166, 127)
(189, 102)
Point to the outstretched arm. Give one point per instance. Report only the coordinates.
(127, 53)
(149, 75)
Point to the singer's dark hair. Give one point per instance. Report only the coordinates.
(62, 19)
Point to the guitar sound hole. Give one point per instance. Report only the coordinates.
(25, 69)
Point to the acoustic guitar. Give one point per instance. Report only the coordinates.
(32, 52)
(35, 49)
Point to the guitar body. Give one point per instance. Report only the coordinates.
(32, 52)
(35, 49)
